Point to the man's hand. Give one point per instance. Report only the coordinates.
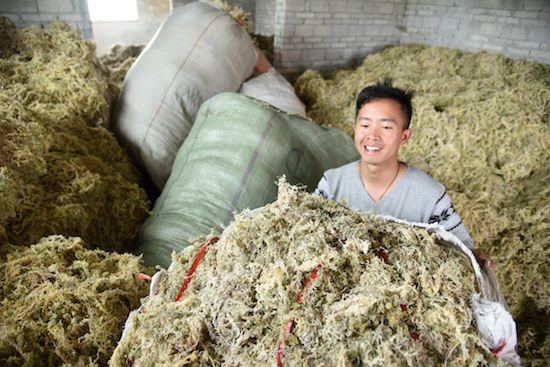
(262, 65)
(482, 256)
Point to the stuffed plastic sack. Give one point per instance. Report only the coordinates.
(274, 89)
(495, 323)
(198, 52)
(231, 160)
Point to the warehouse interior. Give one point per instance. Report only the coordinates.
(156, 183)
(324, 34)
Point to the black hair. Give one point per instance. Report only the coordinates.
(386, 90)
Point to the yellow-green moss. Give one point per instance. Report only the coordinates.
(481, 127)
(61, 170)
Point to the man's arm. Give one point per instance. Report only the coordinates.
(445, 215)
(322, 187)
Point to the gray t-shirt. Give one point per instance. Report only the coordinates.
(417, 197)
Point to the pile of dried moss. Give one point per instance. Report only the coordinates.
(378, 293)
(61, 170)
(63, 304)
(119, 60)
(481, 126)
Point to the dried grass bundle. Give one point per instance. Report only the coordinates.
(236, 13)
(481, 127)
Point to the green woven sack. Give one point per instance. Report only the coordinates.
(230, 161)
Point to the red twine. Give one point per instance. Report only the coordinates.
(185, 283)
(412, 328)
(312, 277)
(497, 351)
(144, 276)
(194, 267)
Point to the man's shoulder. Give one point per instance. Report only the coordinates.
(420, 178)
(338, 180)
(342, 170)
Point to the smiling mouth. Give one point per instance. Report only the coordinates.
(372, 149)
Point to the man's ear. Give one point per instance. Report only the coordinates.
(407, 133)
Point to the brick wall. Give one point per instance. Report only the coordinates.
(264, 19)
(514, 28)
(40, 13)
(329, 34)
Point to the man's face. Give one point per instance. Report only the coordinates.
(379, 131)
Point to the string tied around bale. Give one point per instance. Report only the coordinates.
(338, 244)
(497, 351)
(289, 325)
(186, 281)
(404, 308)
(194, 266)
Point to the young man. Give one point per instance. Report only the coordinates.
(379, 181)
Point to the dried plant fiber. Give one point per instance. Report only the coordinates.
(198, 52)
(61, 170)
(119, 60)
(236, 13)
(481, 127)
(385, 294)
(64, 305)
(230, 161)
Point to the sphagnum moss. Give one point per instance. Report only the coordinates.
(481, 126)
(61, 170)
(385, 294)
(63, 304)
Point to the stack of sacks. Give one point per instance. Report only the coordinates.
(234, 154)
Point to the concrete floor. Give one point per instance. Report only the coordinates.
(151, 15)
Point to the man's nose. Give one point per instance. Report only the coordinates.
(374, 132)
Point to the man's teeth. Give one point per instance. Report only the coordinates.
(372, 149)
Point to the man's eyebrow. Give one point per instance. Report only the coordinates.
(384, 119)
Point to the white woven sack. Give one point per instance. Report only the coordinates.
(495, 324)
(274, 89)
(199, 51)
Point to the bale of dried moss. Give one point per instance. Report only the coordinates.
(63, 304)
(383, 294)
(61, 170)
(481, 126)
